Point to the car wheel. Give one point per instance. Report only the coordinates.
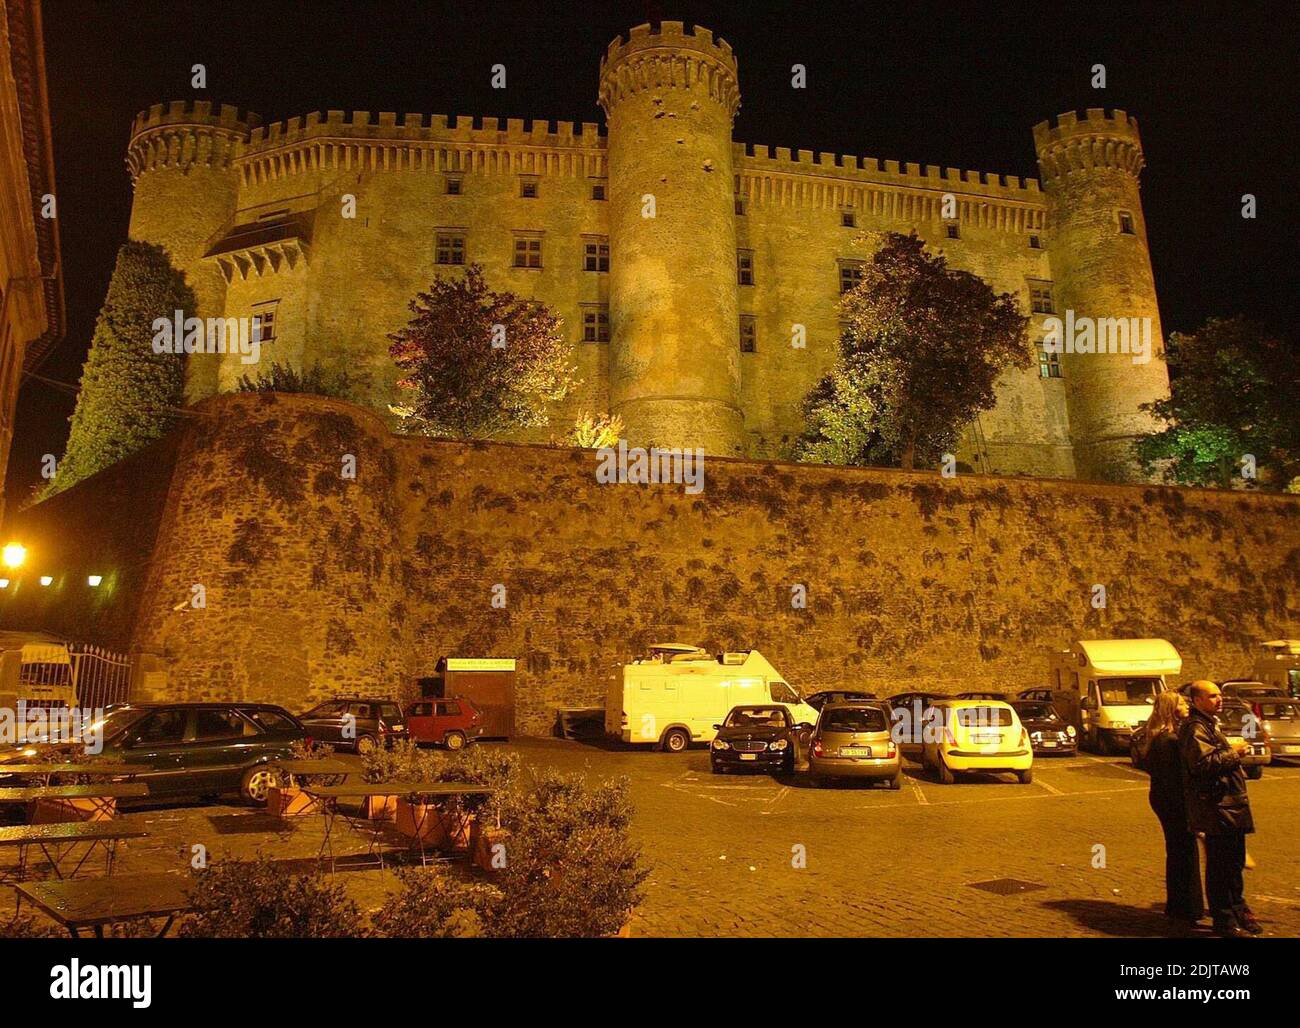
(945, 772)
(454, 740)
(1255, 773)
(367, 744)
(897, 781)
(676, 740)
(257, 781)
(1026, 776)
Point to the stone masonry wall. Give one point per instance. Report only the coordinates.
(318, 584)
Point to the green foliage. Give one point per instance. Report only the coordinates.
(594, 431)
(23, 927)
(458, 382)
(129, 394)
(1234, 390)
(316, 381)
(434, 905)
(259, 899)
(922, 348)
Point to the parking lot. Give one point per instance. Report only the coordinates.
(1075, 853)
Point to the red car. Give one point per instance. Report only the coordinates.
(452, 723)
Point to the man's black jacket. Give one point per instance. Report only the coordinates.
(1215, 782)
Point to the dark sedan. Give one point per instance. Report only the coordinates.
(357, 723)
(1049, 733)
(763, 736)
(819, 699)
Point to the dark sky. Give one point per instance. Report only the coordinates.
(1214, 88)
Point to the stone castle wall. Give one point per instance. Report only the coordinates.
(317, 584)
(339, 303)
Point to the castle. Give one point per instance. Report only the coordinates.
(682, 262)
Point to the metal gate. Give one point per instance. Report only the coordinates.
(89, 677)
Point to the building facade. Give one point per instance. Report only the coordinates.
(698, 276)
(31, 288)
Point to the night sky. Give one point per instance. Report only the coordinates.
(1214, 88)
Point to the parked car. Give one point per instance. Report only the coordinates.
(453, 723)
(1238, 721)
(907, 712)
(819, 699)
(978, 735)
(198, 749)
(1280, 719)
(853, 740)
(759, 736)
(355, 723)
(1001, 697)
(1039, 693)
(1049, 734)
(1250, 690)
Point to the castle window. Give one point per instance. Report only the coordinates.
(1049, 364)
(740, 205)
(453, 185)
(528, 187)
(748, 334)
(598, 190)
(1040, 297)
(595, 325)
(450, 248)
(595, 253)
(850, 275)
(1125, 223)
(264, 320)
(1035, 243)
(528, 251)
(848, 219)
(745, 267)
(952, 231)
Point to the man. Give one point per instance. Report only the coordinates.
(1217, 805)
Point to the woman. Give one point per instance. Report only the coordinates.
(1159, 755)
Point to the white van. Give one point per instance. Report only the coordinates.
(675, 696)
(1106, 687)
(1277, 663)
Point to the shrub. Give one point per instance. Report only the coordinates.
(259, 899)
(19, 927)
(316, 381)
(433, 905)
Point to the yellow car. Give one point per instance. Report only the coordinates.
(976, 735)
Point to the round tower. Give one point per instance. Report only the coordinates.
(186, 192)
(669, 97)
(1101, 270)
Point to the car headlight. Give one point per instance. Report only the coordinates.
(1069, 730)
(720, 744)
(778, 744)
(1036, 736)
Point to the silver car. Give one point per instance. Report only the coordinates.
(1279, 717)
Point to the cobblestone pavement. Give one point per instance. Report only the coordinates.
(878, 863)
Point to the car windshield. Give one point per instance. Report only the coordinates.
(1038, 711)
(116, 722)
(1128, 692)
(756, 717)
(853, 719)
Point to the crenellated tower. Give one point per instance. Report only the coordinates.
(670, 97)
(1101, 269)
(180, 158)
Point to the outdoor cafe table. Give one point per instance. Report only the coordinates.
(106, 834)
(92, 903)
(309, 770)
(43, 772)
(434, 793)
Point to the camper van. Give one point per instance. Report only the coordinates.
(36, 670)
(1277, 663)
(1106, 687)
(678, 694)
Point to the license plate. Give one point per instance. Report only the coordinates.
(749, 756)
(1291, 749)
(855, 751)
(986, 740)
(1050, 745)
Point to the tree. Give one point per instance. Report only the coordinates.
(922, 347)
(478, 362)
(129, 394)
(1234, 391)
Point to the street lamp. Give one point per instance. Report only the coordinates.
(94, 580)
(14, 555)
(46, 579)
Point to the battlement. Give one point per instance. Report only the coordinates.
(1095, 121)
(669, 35)
(195, 112)
(364, 125)
(752, 157)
